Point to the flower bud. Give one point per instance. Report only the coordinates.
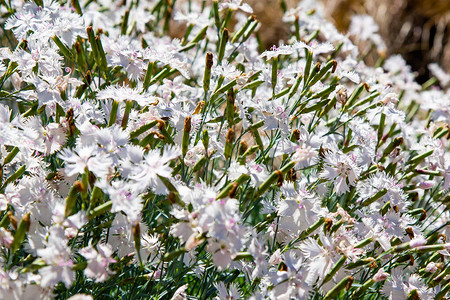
(231, 97)
(242, 30)
(295, 135)
(243, 147)
(207, 75)
(229, 141)
(22, 228)
(280, 178)
(205, 140)
(76, 6)
(186, 131)
(431, 267)
(199, 107)
(380, 275)
(222, 45)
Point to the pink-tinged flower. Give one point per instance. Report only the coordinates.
(180, 293)
(223, 293)
(276, 51)
(154, 164)
(68, 26)
(398, 288)
(125, 93)
(112, 139)
(417, 242)
(81, 297)
(86, 157)
(46, 139)
(98, 261)
(342, 169)
(259, 252)
(427, 184)
(320, 257)
(275, 258)
(291, 282)
(56, 255)
(222, 255)
(431, 267)
(314, 47)
(379, 181)
(6, 238)
(124, 199)
(380, 275)
(303, 155)
(363, 27)
(127, 53)
(10, 286)
(440, 74)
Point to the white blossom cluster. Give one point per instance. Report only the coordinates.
(136, 165)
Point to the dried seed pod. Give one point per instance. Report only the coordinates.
(280, 178)
(229, 140)
(232, 192)
(186, 137)
(410, 232)
(207, 75)
(296, 134)
(243, 147)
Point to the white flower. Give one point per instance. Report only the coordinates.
(342, 169)
(124, 199)
(125, 93)
(86, 157)
(98, 261)
(320, 258)
(154, 165)
(57, 256)
(235, 5)
(232, 293)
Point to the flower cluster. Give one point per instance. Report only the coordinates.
(137, 165)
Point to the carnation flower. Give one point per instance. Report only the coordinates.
(98, 261)
(342, 169)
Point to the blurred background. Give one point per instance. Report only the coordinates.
(419, 30)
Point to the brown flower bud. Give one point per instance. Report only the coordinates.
(187, 124)
(411, 260)
(410, 232)
(136, 230)
(282, 267)
(334, 66)
(209, 60)
(328, 224)
(243, 147)
(395, 207)
(171, 197)
(91, 178)
(296, 134)
(373, 265)
(199, 107)
(88, 77)
(12, 220)
(161, 125)
(280, 178)
(291, 175)
(230, 135)
(232, 192)
(350, 280)
(79, 186)
(78, 47)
